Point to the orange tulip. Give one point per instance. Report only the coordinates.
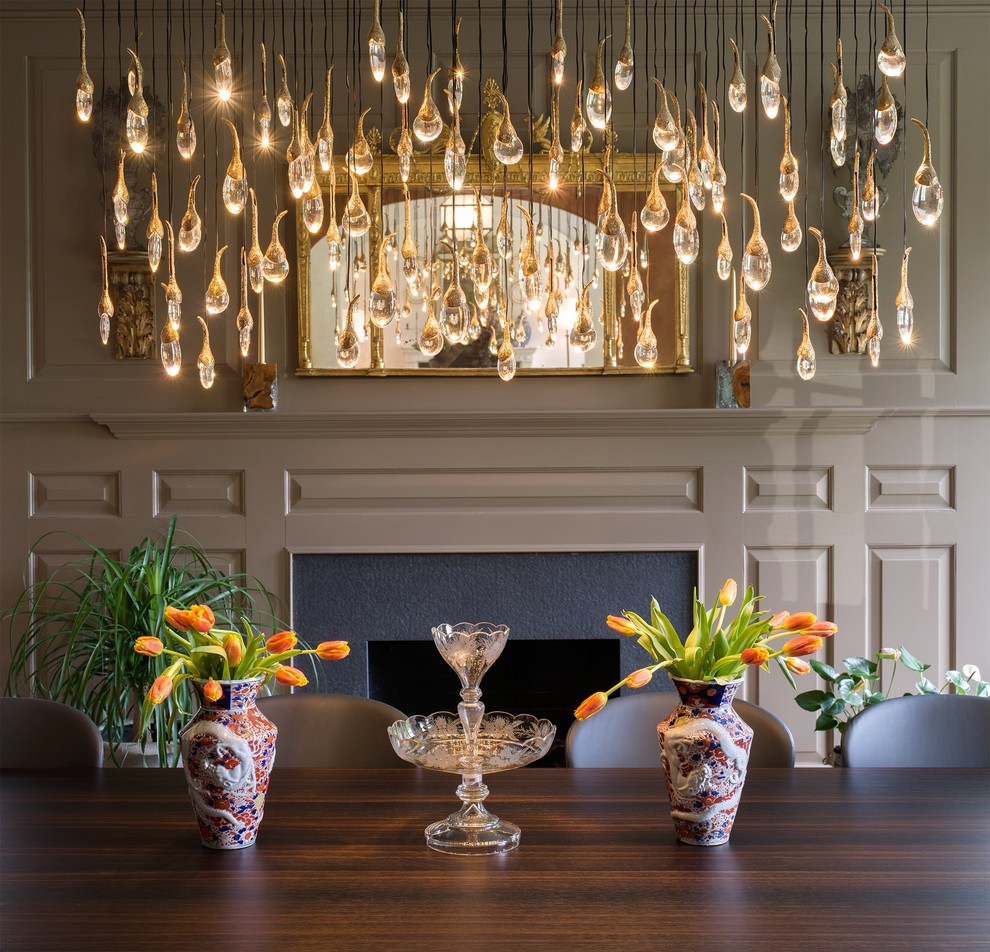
(591, 705)
(201, 618)
(283, 641)
(798, 621)
(777, 620)
(212, 690)
(621, 625)
(797, 666)
(756, 655)
(802, 645)
(824, 629)
(638, 678)
(149, 645)
(160, 690)
(332, 650)
(728, 594)
(234, 649)
(178, 618)
(293, 677)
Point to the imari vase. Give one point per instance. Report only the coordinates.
(228, 750)
(704, 747)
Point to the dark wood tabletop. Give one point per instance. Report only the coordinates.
(826, 859)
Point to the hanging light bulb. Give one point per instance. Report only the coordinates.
(324, 138)
(263, 112)
(742, 320)
(791, 234)
(696, 185)
(646, 351)
(455, 76)
(583, 335)
(737, 84)
(611, 241)
(655, 213)
(84, 84)
(410, 262)
(840, 97)
(400, 66)
(665, 131)
(283, 101)
(482, 261)
(599, 99)
(789, 179)
(624, 62)
(805, 352)
(170, 350)
(558, 49)
(455, 155)
(756, 265)
(904, 303)
(245, 322)
(770, 75)
(706, 154)
(191, 226)
(155, 232)
(376, 45)
(871, 194)
(890, 56)
(927, 199)
(359, 157)
(173, 294)
(578, 127)
(121, 196)
(217, 297)
(255, 257)
(635, 292)
(686, 241)
(675, 159)
(382, 301)
(223, 67)
(719, 178)
(885, 114)
(105, 308)
(356, 221)
(431, 336)
(855, 228)
(276, 265)
(723, 257)
(235, 186)
(507, 147)
(404, 150)
(823, 286)
(136, 125)
(529, 265)
(205, 363)
(348, 344)
(428, 123)
(555, 166)
(312, 208)
(185, 128)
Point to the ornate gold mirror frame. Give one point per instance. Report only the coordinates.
(665, 278)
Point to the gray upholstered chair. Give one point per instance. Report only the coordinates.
(37, 733)
(928, 730)
(624, 734)
(332, 730)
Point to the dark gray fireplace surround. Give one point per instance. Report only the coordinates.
(372, 600)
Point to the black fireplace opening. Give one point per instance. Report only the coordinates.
(546, 678)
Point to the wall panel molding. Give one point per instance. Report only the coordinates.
(779, 488)
(75, 494)
(910, 487)
(217, 493)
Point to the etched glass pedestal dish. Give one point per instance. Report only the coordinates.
(471, 743)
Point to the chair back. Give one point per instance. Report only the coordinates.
(624, 733)
(35, 733)
(332, 730)
(927, 730)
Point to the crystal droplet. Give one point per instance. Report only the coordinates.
(904, 303)
(105, 307)
(410, 258)
(348, 344)
(840, 97)
(611, 241)
(927, 198)
(788, 163)
(84, 84)
(276, 264)
(871, 194)
(235, 186)
(507, 147)
(503, 236)
(382, 301)
(173, 294)
(558, 49)
(455, 156)
(655, 214)
(823, 286)
(223, 67)
(696, 184)
(155, 232)
(136, 126)
(675, 159)
(428, 123)
(635, 292)
(191, 226)
(205, 362)
(837, 147)
(791, 234)
(431, 336)
(324, 137)
(805, 352)
(356, 220)
(359, 156)
(583, 335)
(723, 258)
(121, 196)
(742, 335)
(170, 350)
(770, 75)
(686, 241)
(599, 99)
(756, 265)
(263, 111)
(737, 84)
(506, 358)
(646, 351)
(482, 261)
(217, 296)
(455, 76)
(890, 56)
(578, 128)
(376, 46)
(404, 151)
(255, 257)
(624, 62)
(400, 66)
(453, 308)
(312, 208)
(245, 321)
(283, 101)
(885, 114)
(665, 132)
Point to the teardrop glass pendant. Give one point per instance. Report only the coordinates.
(312, 208)
(599, 99)
(155, 232)
(646, 351)
(223, 67)
(191, 226)
(382, 300)
(84, 83)
(302, 168)
(334, 250)
(885, 114)
(696, 184)
(170, 350)
(874, 332)
(503, 235)
(789, 179)
(376, 44)
(635, 292)
(404, 150)
(840, 96)
(431, 336)
(482, 260)
(263, 111)
(359, 157)
(507, 147)
(890, 57)
(805, 352)
(454, 314)
(686, 241)
(455, 155)
(583, 335)
(255, 257)
(555, 159)
(245, 321)
(611, 241)
(871, 194)
(206, 363)
(235, 186)
(455, 75)
(855, 228)
(552, 309)
(217, 296)
(904, 303)
(719, 177)
(558, 49)
(410, 257)
(283, 100)
(723, 257)
(823, 286)
(529, 267)
(705, 152)
(837, 148)
(136, 126)
(428, 123)
(348, 344)
(185, 128)
(324, 138)
(624, 62)
(770, 74)
(742, 320)
(578, 127)
(276, 264)
(756, 265)
(400, 66)
(105, 307)
(927, 199)
(506, 358)
(791, 234)
(675, 159)
(665, 131)
(173, 294)
(738, 96)
(655, 213)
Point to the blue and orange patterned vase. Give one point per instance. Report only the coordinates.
(704, 747)
(228, 750)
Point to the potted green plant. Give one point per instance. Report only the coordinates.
(861, 685)
(72, 634)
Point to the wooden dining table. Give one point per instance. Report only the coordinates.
(819, 859)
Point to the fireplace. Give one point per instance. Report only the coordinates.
(555, 603)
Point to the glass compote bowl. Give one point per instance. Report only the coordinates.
(471, 743)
